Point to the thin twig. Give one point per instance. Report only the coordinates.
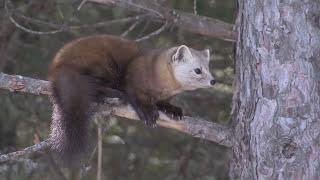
(144, 28)
(37, 21)
(81, 4)
(63, 28)
(157, 32)
(133, 5)
(99, 165)
(55, 168)
(145, 8)
(67, 28)
(134, 25)
(24, 28)
(32, 31)
(195, 7)
(188, 21)
(105, 127)
(109, 22)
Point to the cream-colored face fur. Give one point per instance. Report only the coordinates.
(191, 68)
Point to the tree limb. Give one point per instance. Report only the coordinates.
(29, 150)
(187, 21)
(60, 28)
(154, 33)
(194, 126)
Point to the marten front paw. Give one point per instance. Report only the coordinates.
(171, 110)
(174, 112)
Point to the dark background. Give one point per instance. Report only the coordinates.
(130, 150)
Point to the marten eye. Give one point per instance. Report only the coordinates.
(197, 71)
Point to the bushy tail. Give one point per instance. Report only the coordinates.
(70, 138)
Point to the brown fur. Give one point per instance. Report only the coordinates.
(155, 78)
(150, 89)
(103, 56)
(89, 68)
(81, 72)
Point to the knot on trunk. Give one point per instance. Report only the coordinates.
(289, 149)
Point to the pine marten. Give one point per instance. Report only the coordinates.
(90, 68)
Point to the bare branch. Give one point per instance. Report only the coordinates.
(29, 150)
(24, 28)
(68, 28)
(81, 4)
(16, 83)
(187, 21)
(53, 165)
(194, 126)
(195, 7)
(134, 25)
(36, 21)
(99, 163)
(72, 27)
(109, 22)
(63, 28)
(32, 31)
(130, 5)
(158, 31)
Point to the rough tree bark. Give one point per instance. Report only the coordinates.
(276, 105)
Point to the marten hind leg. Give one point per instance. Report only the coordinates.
(171, 110)
(105, 87)
(106, 92)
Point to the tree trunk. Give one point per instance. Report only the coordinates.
(276, 106)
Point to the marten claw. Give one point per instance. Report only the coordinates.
(175, 115)
(154, 125)
(171, 111)
(151, 118)
(150, 124)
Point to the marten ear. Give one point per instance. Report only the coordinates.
(182, 54)
(206, 53)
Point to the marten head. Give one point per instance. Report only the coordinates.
(191, 68)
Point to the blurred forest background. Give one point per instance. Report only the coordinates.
(130, 150)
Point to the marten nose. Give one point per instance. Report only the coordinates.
(212, 82)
